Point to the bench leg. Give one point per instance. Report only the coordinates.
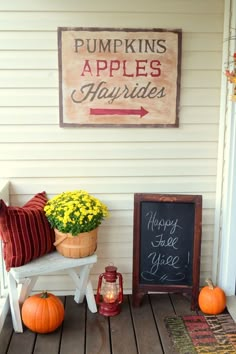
(14, 304)
(83, 286)
(90, 298)
(27, 286)
(80, 282)
(16, 299)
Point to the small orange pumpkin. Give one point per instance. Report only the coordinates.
(43, 313)
(212, 299)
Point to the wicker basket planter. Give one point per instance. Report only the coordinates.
(79, 246)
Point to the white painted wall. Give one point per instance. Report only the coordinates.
(112, 163)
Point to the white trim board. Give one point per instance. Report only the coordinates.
(224, 264)
(231, 306)
(4, 308)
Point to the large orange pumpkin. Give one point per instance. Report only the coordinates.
(212, 299)
(43, 313)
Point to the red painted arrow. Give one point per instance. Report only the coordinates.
(118, 111)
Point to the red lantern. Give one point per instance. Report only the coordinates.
(110, 292)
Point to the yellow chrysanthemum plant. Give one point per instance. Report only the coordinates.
(75, 212)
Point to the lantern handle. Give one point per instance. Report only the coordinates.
(98, 302)
(121, 288)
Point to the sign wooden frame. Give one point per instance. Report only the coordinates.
(140, 288)
(119, 77)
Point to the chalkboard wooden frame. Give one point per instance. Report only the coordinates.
(193, 202)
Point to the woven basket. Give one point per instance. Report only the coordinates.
(82, 245)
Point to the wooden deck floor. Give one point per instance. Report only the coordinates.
(134, 331)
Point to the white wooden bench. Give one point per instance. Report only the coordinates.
(27, 276)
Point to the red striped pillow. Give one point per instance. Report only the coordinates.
(25, 231)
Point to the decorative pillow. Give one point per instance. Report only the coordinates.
(25, 231)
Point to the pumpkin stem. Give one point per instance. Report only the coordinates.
(44, 294)
(210, 283)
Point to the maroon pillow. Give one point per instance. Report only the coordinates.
(25, 231)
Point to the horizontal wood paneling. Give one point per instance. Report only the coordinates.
(177, 184)
(184, 6)
(40, 134)
(107, 151)
(200, 79)
(49, 21)
(111, 163)
(109, 168)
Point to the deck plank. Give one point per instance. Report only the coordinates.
(147, 337)
(162, 307)
(50, 342)
(73, 335)
(182, 304)
(122, 332)
(97, 334)
(5, 334)
(22, 342)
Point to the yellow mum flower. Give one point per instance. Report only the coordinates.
(75, 212)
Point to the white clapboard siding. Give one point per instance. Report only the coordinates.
(41, 134)
(108, 151)
(50, 115)
(207, 6)
(178, 184)
(189, 22)
(109, 168)
(111, 163)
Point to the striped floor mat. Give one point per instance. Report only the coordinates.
(202, 334)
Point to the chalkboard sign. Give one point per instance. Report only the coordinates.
(167, 243)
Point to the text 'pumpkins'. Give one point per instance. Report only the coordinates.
(43, 313)
(212, 299)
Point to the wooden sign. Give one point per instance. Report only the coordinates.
(166, 244)
(119, 77)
